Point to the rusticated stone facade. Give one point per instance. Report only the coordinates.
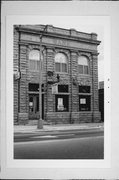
(79, 103)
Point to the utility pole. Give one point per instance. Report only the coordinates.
(40, 121)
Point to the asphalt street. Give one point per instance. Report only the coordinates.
(71, 144)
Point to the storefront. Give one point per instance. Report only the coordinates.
(69, 63)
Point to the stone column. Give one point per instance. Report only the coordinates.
(50, 96)
(23, 109)
(44, 81)
(74, 88)
(15, 67)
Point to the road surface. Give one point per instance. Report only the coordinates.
(72, 144)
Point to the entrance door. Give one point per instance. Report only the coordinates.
(34, 106)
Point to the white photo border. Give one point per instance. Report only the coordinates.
(61, 168)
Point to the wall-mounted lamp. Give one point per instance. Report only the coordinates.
(75, 81)
(17, 75)
(50, 73)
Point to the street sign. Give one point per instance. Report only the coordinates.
(54, 88)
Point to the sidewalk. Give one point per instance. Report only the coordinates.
(58, 127)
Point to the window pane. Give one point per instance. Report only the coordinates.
(64, 67)
(82, 60)
(38, 65)
(34, 58)
(57, 67)
(80, 69)
(61, 58)
(85, 69)
(34, 55)
(32, 65)
(62, 103)
(33, 87)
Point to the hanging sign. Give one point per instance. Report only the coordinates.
(54, 88)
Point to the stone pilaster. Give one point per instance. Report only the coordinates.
(50, 67)
(15, 67)
(74, 88)
(23, 109)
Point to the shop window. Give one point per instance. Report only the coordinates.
(84, 103)
(61, 63)
(34, 60)
(62, 103)
(84, 89)
(35, 87)
(83, 65)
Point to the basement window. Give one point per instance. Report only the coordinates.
(84, 89)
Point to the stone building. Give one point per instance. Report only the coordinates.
(69, 59)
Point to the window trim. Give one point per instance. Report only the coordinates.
(56, 96)
(61, 72)
(84, 66)
(85, 96)
(34, 60)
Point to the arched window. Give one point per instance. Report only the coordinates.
(61, 63)
(34, 60)
(83, 65)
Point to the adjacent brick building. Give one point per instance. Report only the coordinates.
(69, 58)
(101, 99)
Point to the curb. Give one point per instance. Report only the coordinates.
(31, 129)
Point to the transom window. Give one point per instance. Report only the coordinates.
(61, 62)
(63, 88)
(83, 65)
(84, 89)
(33, 87)
(34, 60)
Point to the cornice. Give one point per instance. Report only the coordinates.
(56, 35)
